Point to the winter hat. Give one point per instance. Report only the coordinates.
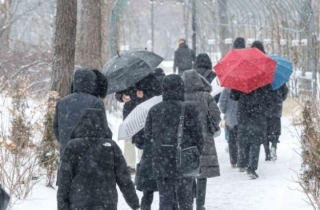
(257, 44)
(239, 43)
(203, 61)
(149, 84)
(102, 84)
(172, 87)
(159, 73)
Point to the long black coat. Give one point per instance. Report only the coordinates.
(276, 98)
(145, 181)
(197, 92)
(252, 114)
(70, 108)
(162, 128)
(183, 58)
(92, 165)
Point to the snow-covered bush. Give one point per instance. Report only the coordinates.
(310, 141)
(20, 135)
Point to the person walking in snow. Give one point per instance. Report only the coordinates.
(145, 182)
(229, 109)
(89, 86)
(91, 167)
(183, 58)
(252, 126)
(161, 131)
(197, 93)
(277, 97)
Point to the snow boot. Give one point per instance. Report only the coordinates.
(273, 154)
(201, 208)
(252, 174)
(242, 169)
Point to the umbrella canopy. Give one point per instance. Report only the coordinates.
(130, 67)
(245, 69)
(136, 120)
(283, 71)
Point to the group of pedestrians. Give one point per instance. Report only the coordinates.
(92, 164)
(251, 120)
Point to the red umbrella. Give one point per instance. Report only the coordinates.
(245, 69)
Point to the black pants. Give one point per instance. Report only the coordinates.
(171, 189)
(146, 200)
(233, 144)
(249, 156)
(201, 191)
(273, 133)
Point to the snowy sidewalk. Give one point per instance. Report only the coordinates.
(232, 190)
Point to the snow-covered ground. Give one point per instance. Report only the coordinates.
(275, 188)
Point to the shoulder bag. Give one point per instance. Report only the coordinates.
(188, 158)
(212, 125)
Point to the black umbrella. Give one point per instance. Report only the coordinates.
(130, 67)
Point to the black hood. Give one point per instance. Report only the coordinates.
(172, 88)
(102, 84)
(194, 82)
(150, 86)
(203, 61)
(239, 43)
(159, 73)
(92, 123)
(85, 80)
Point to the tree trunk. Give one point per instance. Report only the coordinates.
(62, 73)
(223, 25)
(64, 46)
(89, 40)
(4, 25)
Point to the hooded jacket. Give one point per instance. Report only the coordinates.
(197, 93)
(161, 128)
(203, 66)
(70, 108)
(91, 167)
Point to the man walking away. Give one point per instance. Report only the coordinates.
(183, 58)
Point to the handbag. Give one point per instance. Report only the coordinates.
(213, 127)
(188, 158)
(4, 199)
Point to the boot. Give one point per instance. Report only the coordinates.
(201, 208)
(267, 151)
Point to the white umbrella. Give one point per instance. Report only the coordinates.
(216, 88)
(136, 120)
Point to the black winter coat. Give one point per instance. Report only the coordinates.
(183, 58)
(145, 179)
(70, 108)
(276, 98)
(92, 165)
(197, 92)
(252, 114)
(162, 128)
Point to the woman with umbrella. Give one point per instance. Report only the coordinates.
(146, 89)
(252, 124)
